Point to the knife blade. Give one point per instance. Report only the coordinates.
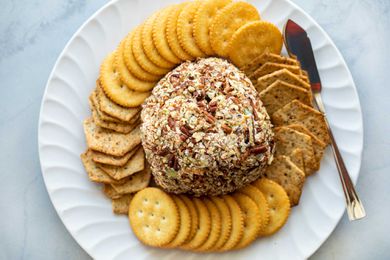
(298, 44)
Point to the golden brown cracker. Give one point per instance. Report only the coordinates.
(154, 217)
(204, 226)
(140, 55)
(102, 115)
(296, 157)
(269, 67)
(148, 44)
(280, 93)
(185, 29)
(204, 16)
(121, 205)
(111, 108)
(159, 36)
(252, 219)
(284, 172)
(227, 21)
(110, 192)
(171, 32)
(258, 197)
(94, 173)
(110, 142)
(237, 230)
(216, 226)
(252, 39)
(226, 220)
(135, 164)
(185, 223)
(194, 215)
(132, 64)
(115, 89)
(278, 203)
(287, 140)
(297, 113)
(135, 182)
(126, 76)
(112, 160)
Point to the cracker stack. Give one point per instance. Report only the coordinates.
(115, 156)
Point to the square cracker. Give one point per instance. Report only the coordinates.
(112, 160)
(110, 142)
(121, 205)
(280, 93)
(135, 164)
(135, 182)
(118, 127)
(284, 75)
(104, 116)
(113, 109)
(287, 140)
(318, 145)
(297, 113)
(110, 192)
(288, 175)
(95, 174)
(267, 56)
(269, 67)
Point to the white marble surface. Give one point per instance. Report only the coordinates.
(33, 33)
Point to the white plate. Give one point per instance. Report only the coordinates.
(80, 203)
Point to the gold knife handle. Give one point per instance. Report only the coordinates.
(355, 207)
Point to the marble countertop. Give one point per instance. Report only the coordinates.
(32, 35)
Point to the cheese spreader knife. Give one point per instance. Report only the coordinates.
(298, 45)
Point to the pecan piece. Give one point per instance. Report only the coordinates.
(258, 149)
(171, 122)
(171, 160)
(185, 130)
(183, 137)
(227, 129)
(209, 118)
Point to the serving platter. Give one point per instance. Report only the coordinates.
(87, 213)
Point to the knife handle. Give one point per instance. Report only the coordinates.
(355, 207)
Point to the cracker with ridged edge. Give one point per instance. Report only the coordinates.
(226, 220)
(227, 22)
(194, 215)
(112, 160)
(278, 203)
(237, 230)
(284, 172)
(121, 205)
(132, 64)
(185, 223)
(135, 164)
(115, 89)
(284, 75)
(258, 197)
(267, 56)
(185, 28)
(269, 67)
(135, 182)
(159, 38)
(110, 192)
(104, 116)
(318, 146)
(148, 44)
(111, 108)
(216, 226)
(171, 32)
(154, 217)
(141, 57)
(126, 76)
(252, 39)
(204, 16)
(252, 219)
(95, 174)
(280, 93)
(287, 140)
(297, 113)
(204, 226)
(110, 142)
(117, 127)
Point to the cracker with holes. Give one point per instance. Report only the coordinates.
(278, 203)
(194, 217)
(284, 172)
(135, 164)
(252, 39)
(227, 22)
(121, 205)
(154, 217)
(226, 222)
(135, 182)
(298, 113)
(110, 142)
